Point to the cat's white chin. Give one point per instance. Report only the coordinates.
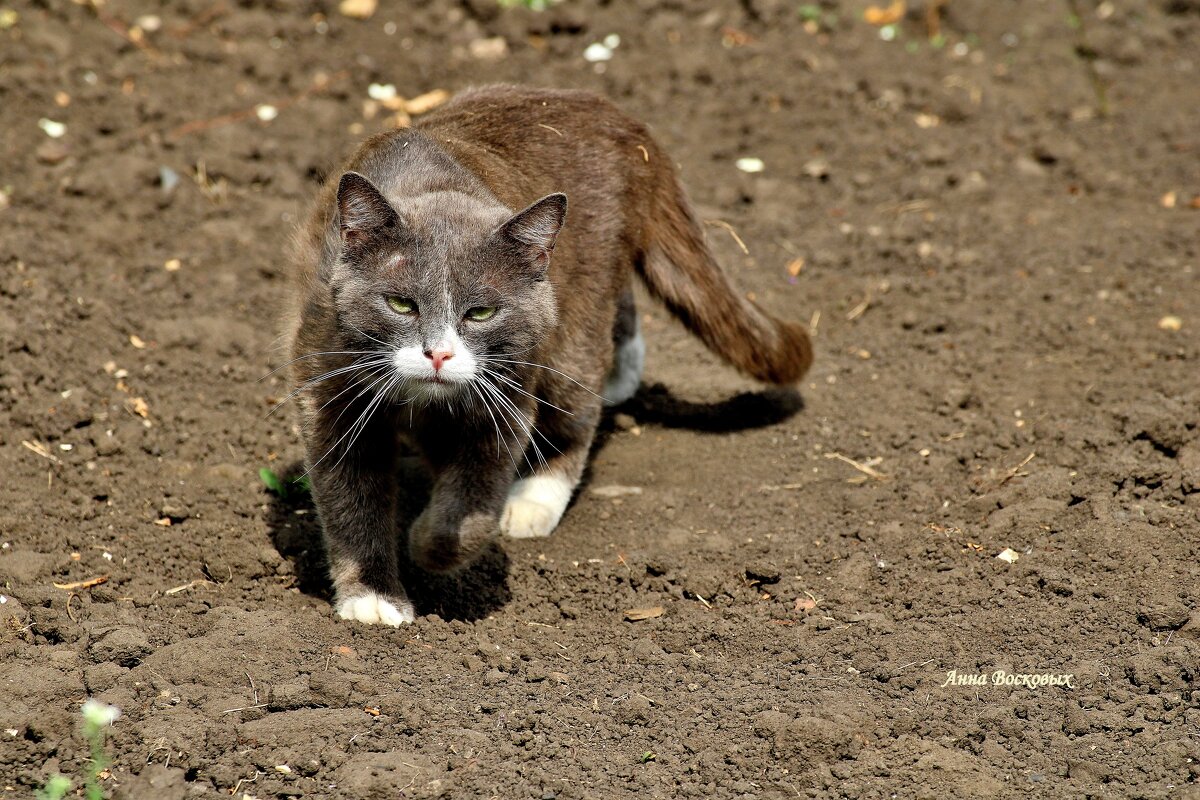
(375, 609)
(424, 391)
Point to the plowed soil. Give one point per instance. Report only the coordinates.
(993, 235)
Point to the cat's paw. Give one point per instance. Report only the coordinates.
(535, 505)
(375, 609)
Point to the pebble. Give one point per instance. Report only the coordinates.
(51, 153)
(816, 168)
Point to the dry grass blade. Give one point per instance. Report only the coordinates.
(859, 309)
(865, 469)
(723, 224)
(89, 583)
(635, 614)
(1015, 472)
(41, 450)
(190, 585)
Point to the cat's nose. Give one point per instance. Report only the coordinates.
(439, 354)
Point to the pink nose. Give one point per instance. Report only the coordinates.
(438, 356)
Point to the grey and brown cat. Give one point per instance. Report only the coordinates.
(447, 298)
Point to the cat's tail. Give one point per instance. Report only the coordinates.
(681, 272)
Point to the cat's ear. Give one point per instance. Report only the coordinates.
(536, 228)
(362, 210)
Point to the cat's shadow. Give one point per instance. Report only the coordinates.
(469, 594)
(656, 405)
(482, 588)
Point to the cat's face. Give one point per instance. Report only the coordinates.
(445, 293)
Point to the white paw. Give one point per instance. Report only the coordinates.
(375, 609)
(535, 505)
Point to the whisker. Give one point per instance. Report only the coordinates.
(357, 365)
(499, 439)
(529, 427)
(314, 355)
(502, 405)
(333, 447)
(533, 430)
(369, 336)
(550, 369)
(517, 387)
(365, 417)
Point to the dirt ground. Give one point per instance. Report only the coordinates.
(993, 236)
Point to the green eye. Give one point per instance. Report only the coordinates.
(402, 305)
(481, 313)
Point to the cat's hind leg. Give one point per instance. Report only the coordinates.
(629, 353)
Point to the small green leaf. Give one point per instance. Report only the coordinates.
(810, 12)
(303, 484)
(56, 788)
(272, 482)
(647, 756)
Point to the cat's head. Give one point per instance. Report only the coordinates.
(447, 285)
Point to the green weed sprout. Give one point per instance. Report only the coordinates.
(97, 717)
(284, 490)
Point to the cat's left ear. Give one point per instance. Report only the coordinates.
(536, 228)
(362, 210)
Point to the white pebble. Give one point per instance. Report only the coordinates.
(55, 130)
(266, 113)
(597, 52)
(381, 91)
(751, 164)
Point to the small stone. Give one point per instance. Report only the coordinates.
(624, 422)
(750, 165)
(53, 129)
(358, 9)
(597, 52)
(763, 572)
(816, 168)
(492, 49)
(51, 153)
(616, 490)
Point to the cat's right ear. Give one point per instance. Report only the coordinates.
(362, 211)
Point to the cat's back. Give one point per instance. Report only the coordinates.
(506, 116)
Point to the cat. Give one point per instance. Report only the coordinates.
(446, 298)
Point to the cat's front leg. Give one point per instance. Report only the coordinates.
(535, 504)
(462, 517)
(355, 494)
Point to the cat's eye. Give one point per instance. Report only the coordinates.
(402, 305)
(481, 313)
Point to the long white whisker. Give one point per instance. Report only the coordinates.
(314, 355)
(333, 447)
(504, 405)
(533, 430)
(353, 382)
(365, 418)
(530, 428)
(499, 438)
(517, 387)
(369, 336)
(550, 369)
(357, 365)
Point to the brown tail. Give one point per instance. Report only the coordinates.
(681, 272)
